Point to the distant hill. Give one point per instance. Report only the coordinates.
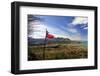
(32, 41)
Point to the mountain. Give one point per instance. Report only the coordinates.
(32, 41)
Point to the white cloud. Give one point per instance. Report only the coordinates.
(39, 31)
(36, 30)
(80, 20)
(76, 36)
(85, 28)
(72, 30)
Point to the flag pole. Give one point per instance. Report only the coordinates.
(45, 40)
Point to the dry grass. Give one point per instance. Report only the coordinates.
(64, 51)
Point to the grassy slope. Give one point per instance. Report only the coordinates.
(64, 51)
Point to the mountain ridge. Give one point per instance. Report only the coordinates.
(32, 41)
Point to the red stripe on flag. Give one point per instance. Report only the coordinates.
(49, 35)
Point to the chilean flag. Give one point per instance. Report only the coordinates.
(48, 35)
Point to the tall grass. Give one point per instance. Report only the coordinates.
(64, 51)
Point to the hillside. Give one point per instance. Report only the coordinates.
(32, 41)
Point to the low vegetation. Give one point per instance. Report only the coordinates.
(61, 51)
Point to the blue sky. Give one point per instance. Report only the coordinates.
(73, 27)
